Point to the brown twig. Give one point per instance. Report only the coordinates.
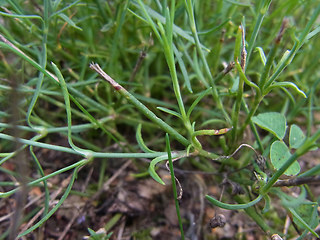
(97, 68)
(297, 181)
(142, 56)
(284, 25)
(179, 195)
(229, 67)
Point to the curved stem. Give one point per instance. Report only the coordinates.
(233, 206)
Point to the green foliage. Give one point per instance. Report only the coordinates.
(279, 154)
(304, 212)
(98, 236)
(296, 137)
(276, 124)
(272, 122)
(163, 67)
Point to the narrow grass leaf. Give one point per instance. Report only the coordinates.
(69, 21)
(86, 153)
(198, 99)
(42, 174)
(214, 29)
(114, 221)
(177, 30)
(182, 68)
(290, 201)
(273, 122)
(174, 187)
(141, 107)
(305, 217)
(233, 206)
(237, 44)
(171, 112)
(148, 18)
(287, 84)
(313, 33)
(56, 4)
(152, 166)
(311, 172)
(262, 55)
(238, 3)
(246, 80)
(267, 203)
(21, 16)
(140, 141)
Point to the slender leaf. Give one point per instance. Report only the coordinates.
(171, 112)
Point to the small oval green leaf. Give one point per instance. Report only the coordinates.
(273, 122)
(279, 154)
(296, 137)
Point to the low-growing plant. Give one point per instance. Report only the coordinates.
(98, 235)
(99, 73)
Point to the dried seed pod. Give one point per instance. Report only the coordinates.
(217, 221)
(261, 162)
(276, 237)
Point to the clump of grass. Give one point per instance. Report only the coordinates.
(193, 70)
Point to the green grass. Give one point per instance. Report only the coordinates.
(50, 87)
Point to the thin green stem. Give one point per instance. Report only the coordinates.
(174, 187)
(233, 206)
(236, 112)
(251, 211)
(70, 150)
(297, 45)
(217, 99)
(141, 107)
(168, 51)
(45, 185)
(43, 61)
(253, 128)
(86, 153)
(35, 182)
(235, 116)
(262, 12)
